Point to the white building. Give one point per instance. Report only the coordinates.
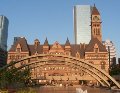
(82, 23)
(112, 49)
(3, 32)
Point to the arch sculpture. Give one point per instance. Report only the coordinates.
(41, 60)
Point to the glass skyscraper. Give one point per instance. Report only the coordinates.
(82, 23)
(3, 32)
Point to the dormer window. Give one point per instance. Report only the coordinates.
(18, 48)
(77, 55)
(36, 42)
(102, 65)
(36, 53)
(96, 49)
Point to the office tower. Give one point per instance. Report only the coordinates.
(82, 22)
(3, 32)
(111, 49)
(3, 57)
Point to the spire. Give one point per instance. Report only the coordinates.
(46, 42)
(67, 42)
(95, 11)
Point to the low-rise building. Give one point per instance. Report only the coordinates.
(94, 53)
(111, 49)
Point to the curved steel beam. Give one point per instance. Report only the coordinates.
(84, 71)
(69, 57)
(95, 73)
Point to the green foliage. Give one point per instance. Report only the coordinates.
(14, 77)
(115, 71)
(26, 91)
(20, 91)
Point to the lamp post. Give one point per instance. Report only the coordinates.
(109, 58)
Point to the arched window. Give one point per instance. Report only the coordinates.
(97, 25)
(96, 49)
(94, 31)
(18, 48)
(91, 63)
(98, 31)
(77, 55)
(102, 65)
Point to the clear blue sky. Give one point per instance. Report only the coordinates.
(54, 19)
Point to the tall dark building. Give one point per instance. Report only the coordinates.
(3, 57)
(3, 39)
(3, 32)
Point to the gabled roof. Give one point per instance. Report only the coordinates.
(38, 49)
(56, 47)
(95, 11)
(78, 48)
(36, 40)
(90, 46)
(23, 44)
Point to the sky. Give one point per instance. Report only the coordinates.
(54, 19)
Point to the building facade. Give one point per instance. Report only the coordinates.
(94, 53)
(82, 22)
(111, 49)
(3, 32)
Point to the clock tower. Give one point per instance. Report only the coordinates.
(96, 24)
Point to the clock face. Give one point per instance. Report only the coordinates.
(95, 18)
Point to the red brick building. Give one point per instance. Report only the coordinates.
(94, 52)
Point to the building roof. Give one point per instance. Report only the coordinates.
(46, 42)
(80, 48)
(95, 11)
(33, 49)
(23, 44)
(67, 42)
(90, 46)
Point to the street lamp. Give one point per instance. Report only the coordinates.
(109, 58)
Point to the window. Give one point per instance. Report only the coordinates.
(77, 55)
(91, 62)
(102, 65)
(96, 50)
(98, 31)
(18, 48)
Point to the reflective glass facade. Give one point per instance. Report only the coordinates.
(82, 22)
(3, 32)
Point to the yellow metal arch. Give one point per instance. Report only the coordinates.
(78, 63)
(89, 70)
(83, 70)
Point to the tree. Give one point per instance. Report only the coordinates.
(14, 77)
